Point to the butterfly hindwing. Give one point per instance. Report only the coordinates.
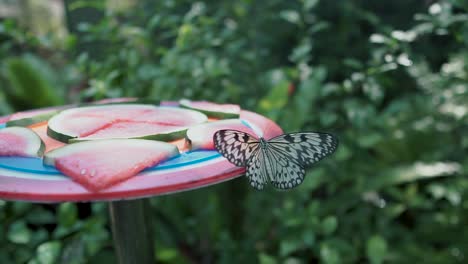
(306, 148)
(235, 146)
(286, 172)
(257, 171)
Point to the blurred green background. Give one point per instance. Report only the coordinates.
(388, 77)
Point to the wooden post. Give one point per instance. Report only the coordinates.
(131, 229)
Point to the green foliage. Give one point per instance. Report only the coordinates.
(25, 76)
(389, 78)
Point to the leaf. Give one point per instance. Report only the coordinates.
(291, 16)
(289, 246)
(73, 251)
(49, 252)
(28, 87)
(166, 254)
(39, 216)
(67, 214)
(309, 4)
(301, 52)
(329, 255)
(329, 225)
(266, 259)
(19, 233)
(276, 99)
(376, 249)
(414, 172)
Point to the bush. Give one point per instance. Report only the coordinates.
(390, 79)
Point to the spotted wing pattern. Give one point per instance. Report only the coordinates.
(286, 173)
(257, 171)
(235, 146)
(305, 148)
(281, 160)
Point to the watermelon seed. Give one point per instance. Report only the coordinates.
(93, 173)
(83, 172)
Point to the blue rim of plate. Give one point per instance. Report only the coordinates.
(35, 165)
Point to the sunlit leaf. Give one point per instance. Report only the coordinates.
(376, 249)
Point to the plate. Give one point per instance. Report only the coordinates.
(29, 180)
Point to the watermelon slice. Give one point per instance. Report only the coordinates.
(201, 136)
(100, 164)
(141, 130)
(20, 141)
(28, 118)
(221, 111)
(4, 119)
(122, 121)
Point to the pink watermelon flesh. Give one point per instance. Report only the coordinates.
(20, 141)
(33, 113)
(129, 130)
(100, 164)
(214, 107)
(201, 136)
(12, 145)
(167, 116)
(89, 125)
(103, 121)
(4, 119)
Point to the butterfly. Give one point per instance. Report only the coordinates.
(281, 160)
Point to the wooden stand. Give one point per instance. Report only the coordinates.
(131, 229)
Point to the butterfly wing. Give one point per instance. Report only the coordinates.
(236, 146)
(257, 170)
(242, 150)
(304, 148)
(286, 173)
(283, 159)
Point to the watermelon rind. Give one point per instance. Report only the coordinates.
(36, 146)
(24, 122)
(166, 136)
(57, 130)
(51, 156)
(185, 103)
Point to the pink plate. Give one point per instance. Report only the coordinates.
(20, 179)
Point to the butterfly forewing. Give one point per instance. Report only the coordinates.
(235, 146)
(306, 148)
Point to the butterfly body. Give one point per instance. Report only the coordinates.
(281, 160)
(263, 143)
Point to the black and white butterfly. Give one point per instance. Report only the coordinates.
(281, 160)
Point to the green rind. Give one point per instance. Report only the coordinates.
(220, 115)
(24, 122)
(173, 135)
(50, 157)
(41, 150)
(58, 136)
